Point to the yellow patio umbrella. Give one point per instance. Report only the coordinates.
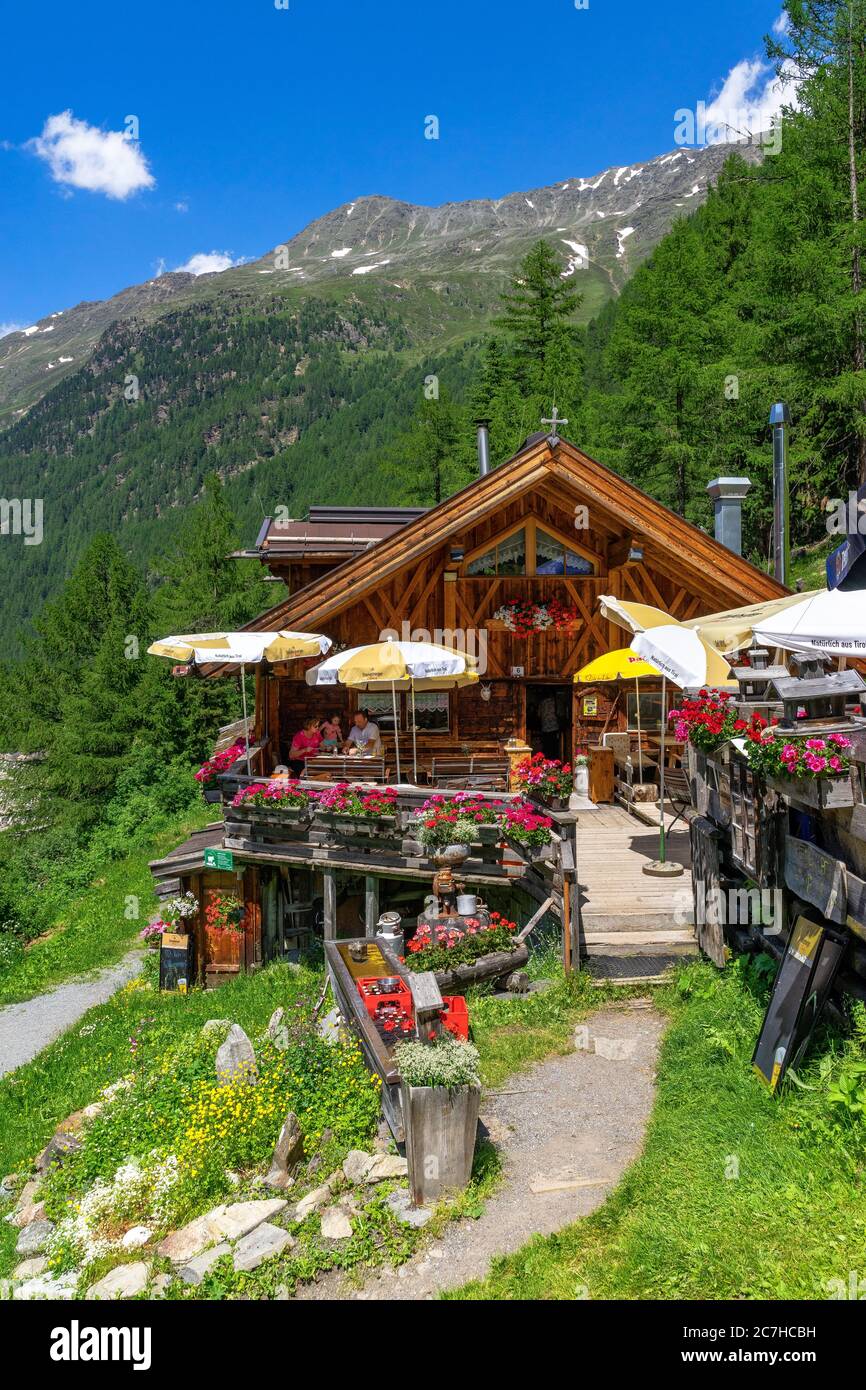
(733, 628)
(396, 665)
(634, 617)
(241, 649)
(622, 664)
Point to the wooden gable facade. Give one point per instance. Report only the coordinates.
(424, 582)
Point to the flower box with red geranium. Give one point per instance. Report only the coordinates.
(546, 779)
(813, 771)
(443, 948)
(279, 801)
(215, 766)
(477, 816)
(523, 617)
(529, 832)
(357, 810)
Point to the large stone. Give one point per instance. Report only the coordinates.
(28, 1269)
(329, 1026)
(58, 1146)
(216, 1028)
(8, 1186)
(336, 1224)
(402, 1209)
(54, 1287)
(184, 1244)
(194, 1272)
(288, 1153)
(259, 1245)
(26, 1198)
(34, 1238)
(135, 1237)
(124, 1281)
(356, 1165)
(275, 1028)
(235, 1059)
(23, 1216)
(387, 1166)
(235, 1221)
(313, 1201)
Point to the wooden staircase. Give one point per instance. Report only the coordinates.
(626, 914)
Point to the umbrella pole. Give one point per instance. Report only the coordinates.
(662, 779)
(414, 736)
(246, 725)
(396, 730)
(639, 735)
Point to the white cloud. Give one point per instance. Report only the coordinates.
(7, 328)
(782, 24)
(208, 262)
(751, 98)
(181, 207)
(83, 156)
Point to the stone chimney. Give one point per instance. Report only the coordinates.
(728, 495)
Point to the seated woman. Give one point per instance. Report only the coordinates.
(305, 744)
(332, 734)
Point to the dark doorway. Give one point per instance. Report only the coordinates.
(548, 720)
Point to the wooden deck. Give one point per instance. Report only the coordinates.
(624, 911)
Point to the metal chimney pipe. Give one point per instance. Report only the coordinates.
(483, 428)
(780, 419)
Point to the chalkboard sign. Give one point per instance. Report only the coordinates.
(175, 961)
(803, 982)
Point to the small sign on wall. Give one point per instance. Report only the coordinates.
(517, 672)
(219, 859)
(590, 706)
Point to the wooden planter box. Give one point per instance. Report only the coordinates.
(273, 815)
(377, 826)
(553, 803)
(484, 968)
(543, 857)
(821, 793)
(441, 1126)
(212, 795)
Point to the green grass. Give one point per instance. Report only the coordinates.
(737, 1195)
(73, 1070)
(93, 931)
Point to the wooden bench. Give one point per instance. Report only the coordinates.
(482, 773)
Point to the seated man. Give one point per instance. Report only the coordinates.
(364, 736)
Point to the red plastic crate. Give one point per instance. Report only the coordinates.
(455, 1016)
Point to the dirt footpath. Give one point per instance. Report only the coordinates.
(567, 1122)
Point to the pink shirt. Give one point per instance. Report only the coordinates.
(304, 745)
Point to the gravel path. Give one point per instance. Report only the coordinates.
(573, 1118)
(26, 1028)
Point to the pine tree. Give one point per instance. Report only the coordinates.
(823, 244)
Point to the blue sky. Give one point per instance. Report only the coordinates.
(253, 120)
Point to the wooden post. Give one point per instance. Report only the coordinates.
(371, 904)
(330, 897)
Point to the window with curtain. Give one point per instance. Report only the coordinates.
(508, 556)
(432, 710)
(552, 557)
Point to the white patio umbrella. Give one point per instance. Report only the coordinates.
(396, 665)
(241, 649)
(683, 657)
(831, 622)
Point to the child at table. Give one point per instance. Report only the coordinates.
(332, 734)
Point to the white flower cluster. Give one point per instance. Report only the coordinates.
(135, 1192)
(180, 908)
